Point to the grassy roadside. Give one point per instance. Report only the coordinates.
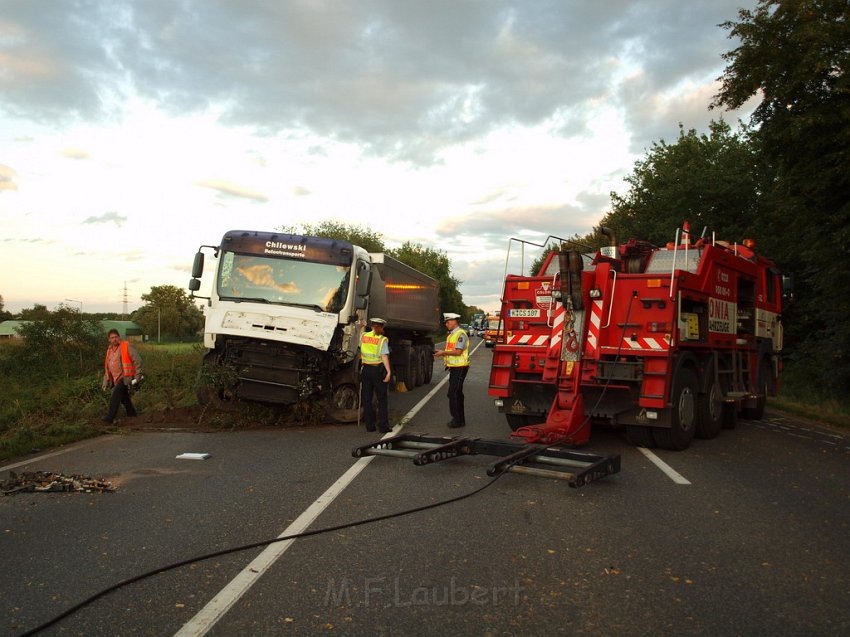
(828, 412)
(46, 403)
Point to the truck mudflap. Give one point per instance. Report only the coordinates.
(578, 468)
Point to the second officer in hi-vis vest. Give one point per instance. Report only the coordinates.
(375, 375)
(456, 357)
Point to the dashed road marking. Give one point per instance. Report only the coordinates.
(215, 609)
(669, 471)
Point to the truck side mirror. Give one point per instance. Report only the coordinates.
(197, 267)
(194, 285)
(787, 288)
(364, 280)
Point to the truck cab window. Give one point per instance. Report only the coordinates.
(287, 281)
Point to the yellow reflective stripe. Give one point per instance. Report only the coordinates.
(370, 348)
(460, 360)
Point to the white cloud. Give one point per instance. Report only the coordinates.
(452, 123)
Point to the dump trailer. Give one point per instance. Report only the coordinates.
(665, 342)
(285, 314)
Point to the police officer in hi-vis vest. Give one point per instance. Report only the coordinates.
(375, 375)
(456, 357)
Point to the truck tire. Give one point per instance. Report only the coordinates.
(429, 363)
(424, 360)
(763, 386)
(216, 398)
(210, 395)
(410, 372)
(343, 405)
(683, 413)
(710, 408)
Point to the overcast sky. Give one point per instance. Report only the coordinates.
(133, 132)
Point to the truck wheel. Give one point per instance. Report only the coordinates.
(427, 364)
(210, 393)
(409, 373)
(343, 404)
(682, 414)
(710, 409)
(423, 365)
(216, 398)
(640, 436)
(763, 387)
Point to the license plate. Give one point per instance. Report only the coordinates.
(524, 313)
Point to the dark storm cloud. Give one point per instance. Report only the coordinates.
(403, 78)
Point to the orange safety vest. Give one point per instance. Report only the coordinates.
(126, 361)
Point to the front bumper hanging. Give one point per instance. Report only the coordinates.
(578, 468)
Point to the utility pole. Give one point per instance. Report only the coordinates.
(125, 301)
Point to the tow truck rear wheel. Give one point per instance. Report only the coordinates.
(710, 409)
(682, 414)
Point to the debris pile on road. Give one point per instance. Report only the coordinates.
(49, 482)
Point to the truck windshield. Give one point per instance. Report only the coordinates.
(321, 286)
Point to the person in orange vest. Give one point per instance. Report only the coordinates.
(456, 357)
(375, 375)
(122, 368)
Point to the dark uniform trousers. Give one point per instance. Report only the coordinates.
(372, 383)
(456, 377)
(120, 396)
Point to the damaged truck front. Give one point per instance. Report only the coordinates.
(285, 314)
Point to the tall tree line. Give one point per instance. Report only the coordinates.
(782, 179)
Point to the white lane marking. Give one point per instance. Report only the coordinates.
(207, 617)
(215, 609)
(23, 463)
(669, 471)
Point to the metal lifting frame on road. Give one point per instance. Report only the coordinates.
(576, 467)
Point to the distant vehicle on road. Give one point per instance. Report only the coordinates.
(495, 332)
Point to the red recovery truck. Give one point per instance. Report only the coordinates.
(667, 342)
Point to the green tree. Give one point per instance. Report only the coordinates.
(61, 343)
(4, 315)
(710, 180)
(359, 235)
(794, 54)
(37, 312)
(169, 311)
(435, 264)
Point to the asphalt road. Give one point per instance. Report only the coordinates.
(746, 534)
